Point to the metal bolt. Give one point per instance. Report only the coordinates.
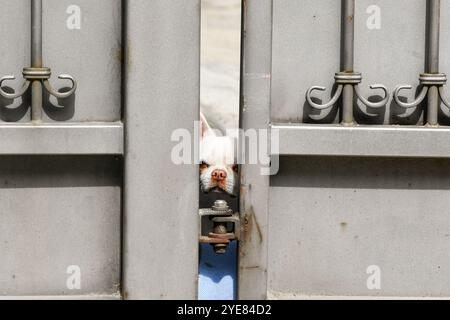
(220, 248)
(220, 205)
(220, 228)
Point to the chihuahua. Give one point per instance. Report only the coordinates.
(218, 168)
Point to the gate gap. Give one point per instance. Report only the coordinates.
(220, 104)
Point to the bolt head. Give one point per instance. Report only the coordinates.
(220, 248)
(220, 205)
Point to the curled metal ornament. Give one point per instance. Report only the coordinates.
(370, 104)
(38, 74)
(444, 97)
(44, 74)
(347, 78)
(61, 95)
(416, 102)
(327, 105)
(14, 95)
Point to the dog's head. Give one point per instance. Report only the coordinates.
(218, 169)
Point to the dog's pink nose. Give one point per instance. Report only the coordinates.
(219, 175)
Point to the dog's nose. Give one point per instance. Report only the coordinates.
(219, 175)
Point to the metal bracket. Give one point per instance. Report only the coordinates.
(225, 226)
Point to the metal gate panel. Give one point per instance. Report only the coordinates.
(392, 55)
(61, 176)
(332, 218)
(15, 53)
(58, 212)
(294, 45)
(257, 42)
(90, 51)
(161, 198)
(306, 52)
(444, 43)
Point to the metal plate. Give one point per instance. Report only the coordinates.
(15, 52)
(92, 54)
(306, 52)
(59, 212)
(62, 139)
(364, 141)
(332, 218)
(161, 198)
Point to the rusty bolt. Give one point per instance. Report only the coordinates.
(220, 248)
(220, 228)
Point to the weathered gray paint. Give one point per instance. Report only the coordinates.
(368, 141)
(61, 181)
(306, 52)
(92, 55)
(331, 218)
(161, 198)
(333, 211)
(257, 43)
(62, 139)
(59, 211)
(15, 52)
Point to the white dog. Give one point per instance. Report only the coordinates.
(218, 169)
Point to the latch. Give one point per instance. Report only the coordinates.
(218, 226)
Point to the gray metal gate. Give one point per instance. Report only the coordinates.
(359, 205)
(70, 176)
(93, 206)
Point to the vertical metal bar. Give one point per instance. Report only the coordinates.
(36, 33)
(432, 63)
(255, 114)
(433, 24)
(348, 30)
(162, 91)
(36, 59)
(347, 104)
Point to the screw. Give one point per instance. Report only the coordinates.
(220, 205)
(220, 228)
(220, 248)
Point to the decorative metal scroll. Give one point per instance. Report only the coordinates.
(347, 81)
(37, 75)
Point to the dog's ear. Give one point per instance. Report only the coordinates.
(205, 128)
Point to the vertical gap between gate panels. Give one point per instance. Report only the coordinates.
(124, 4)
(220, 96)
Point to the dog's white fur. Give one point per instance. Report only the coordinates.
(216, 153)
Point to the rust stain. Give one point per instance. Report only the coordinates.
(251, 267)
(119, 55)
(258, 227)
(350, 18)
(250, 221)
(126, 56)
(244, 15)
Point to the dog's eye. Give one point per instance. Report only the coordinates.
(204, 165)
